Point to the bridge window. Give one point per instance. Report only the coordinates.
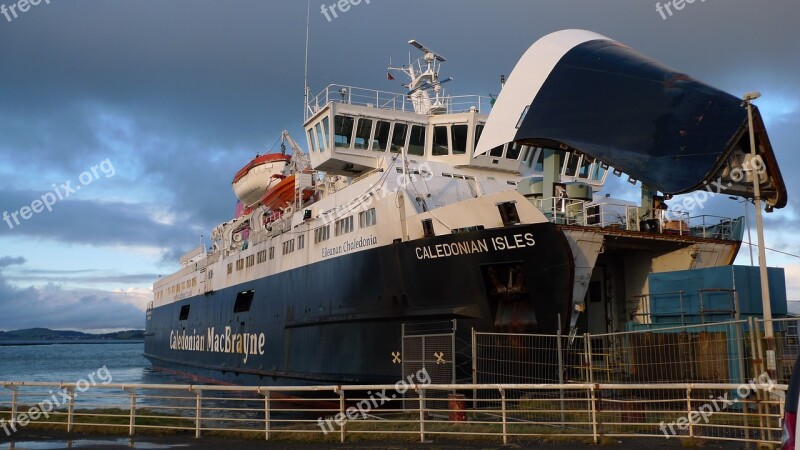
(458, 139)
(538, 163)
(343, 129)
(571, 166)
(586, 164)
(598, 171)
(326, 131)
(439, 141)
(399, 137)
(513, 151)
(363, 133)
(416, 142)
(381, 140)
(311, 144)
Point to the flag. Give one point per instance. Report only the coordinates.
(389, 76)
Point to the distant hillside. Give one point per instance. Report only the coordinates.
(45, 334)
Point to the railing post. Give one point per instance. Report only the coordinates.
(71, 409)
(474, 369)
(689, 410)
(342, 428)
(503, 406)
(132, 426)
(587, 340)
(421, 393)
(594, 413)
(266, 415)
(198, 414)
(14, 398)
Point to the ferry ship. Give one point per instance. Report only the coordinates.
(415, 207)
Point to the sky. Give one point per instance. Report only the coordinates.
(123, 122)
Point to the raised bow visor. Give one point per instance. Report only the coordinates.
(581, 91)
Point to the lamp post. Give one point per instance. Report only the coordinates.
(747, 225)
(769, 338)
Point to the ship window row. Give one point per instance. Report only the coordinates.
(288, 247)
(322, 234)
(343, 226)
(177, 288)
(367, 218)
(261, 256)
(359, 133)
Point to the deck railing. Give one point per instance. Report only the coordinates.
(498, 412)
(630, 218)
(353, 95)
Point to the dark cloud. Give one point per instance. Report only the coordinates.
(6, 261)
(180, 94)
(57, 308)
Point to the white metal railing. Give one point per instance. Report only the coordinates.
(627, 217)
(374, 98)
(500, 411)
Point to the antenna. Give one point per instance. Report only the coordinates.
(305, 73)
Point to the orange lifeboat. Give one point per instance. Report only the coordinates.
(259, 175)
(282, 195)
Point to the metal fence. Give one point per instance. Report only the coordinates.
(590, 411)
(723, 352)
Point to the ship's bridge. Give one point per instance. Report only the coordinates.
(351, 131)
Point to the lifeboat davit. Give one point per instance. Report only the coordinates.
(259, 175)
(282, 195)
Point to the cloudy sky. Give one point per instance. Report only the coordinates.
(165, 100)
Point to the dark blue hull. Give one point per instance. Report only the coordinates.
(338, 321)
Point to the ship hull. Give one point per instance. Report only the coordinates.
(340, 320)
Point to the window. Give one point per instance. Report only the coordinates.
(399, 137)
(322, 233)
(184, 312)
(497, 152)
(323, 145)
(458, 139)
(251, 260)
(343, 226)
(288, 247)
(513, 151)
(427, 228)
(586, 164)
(194, 282)
(301, 241)
(363, 133)
(416, 142)
(343, 131)
(272, 253)
(571, 164)
(381, 140)
(311, 144)
(367, 218)
(478, 133)
(262, 256)
(439, 140)
(240, 264)
(230, 268)
(538, 164)
(509, 214)
(243, 301)
(320, 138)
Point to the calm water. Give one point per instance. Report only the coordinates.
(72, 362)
